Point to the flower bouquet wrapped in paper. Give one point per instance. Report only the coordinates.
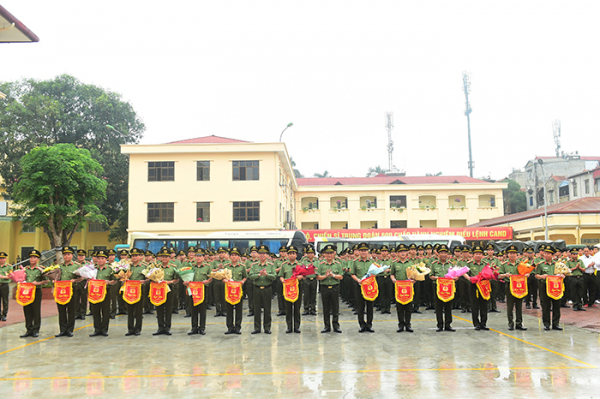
(123, 275)
(87, 271)
(525, 268)
(485, 274)
(374, 270)
(413, 274)
(561, 268)
(18, 276)
(155, 274)
(121, 265)
(456, 271)
(422, 268)
(223, 274)
(186, 273)
(302, 270)
(52, 272)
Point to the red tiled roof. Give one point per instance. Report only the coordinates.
(581, 205)
(4, 14)
(379, 179)
(209, 140)
(558, 178)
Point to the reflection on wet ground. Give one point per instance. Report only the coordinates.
(465, 363)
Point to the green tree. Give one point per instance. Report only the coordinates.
(431, 174)
(64, 110)
(321, 175)
(58, 191)
(297, 173)
(515, 200)
(377, 170)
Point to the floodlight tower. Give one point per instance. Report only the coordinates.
(467, 90)
(556, 131)
(389, 125)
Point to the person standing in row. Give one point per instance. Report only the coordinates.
(101, 309)
(542, 271)
(507, 269)
(249, 286)
(262, 274)
(219, 285)
(576, 279)
(148, 306)
(330, 273)
(114, 293)
(479, 305)
(135, 310)
(386, 289)
(292, 309)
(66, 312)
(5, 270)
(32, 312)
(310, 283)
(443, 310)
(398, 272)
(359, 269)
(277, 285)
(238, 273)
(164, 312)
(80, 290)
(202, 271)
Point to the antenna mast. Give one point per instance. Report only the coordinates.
(389, 125)
(467, 90)
(556, 131)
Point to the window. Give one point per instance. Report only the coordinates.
(530, 201)
(161, 212)
(398, 224)
(203, 171)
(28, 229)
(95, 227)
(245, 170)
(3, 208)
(575, 189)
(161, 171)
(247, 211)
(587, 186)
(99, 247)
(203, 212)
(397, 201)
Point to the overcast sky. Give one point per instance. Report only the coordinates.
(245, 69)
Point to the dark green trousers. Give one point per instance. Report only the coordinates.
(33, 312)
(80, 298)
(101, 314)
(577, 289)
(547, 304)
(66, 317)
(292, 313)
(309, 291)
(517, 305)
(330, 296)
(262, 301)
(4, 289)
(479, 307)
(135, 316)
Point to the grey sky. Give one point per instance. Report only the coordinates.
(244, 69)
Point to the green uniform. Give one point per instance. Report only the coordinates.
(547, 268)
(309, 286)
(443, 310)
(512, 303)
(32, 312)
(292, 310)
(479, 305)
(359, 268)
(135, 311)
(101, 310)
(249, 286)
(4, 290)
(386, 287)
(198, 312)
(164, 312)
(404, 312)
(576, 281)
(238, 273)
(262, 293)
(218, 287)
(66, 313)
(330, 291)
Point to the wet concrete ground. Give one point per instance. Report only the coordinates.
(386, 364)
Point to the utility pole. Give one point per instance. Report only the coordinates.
(467, 90)
(389, 125)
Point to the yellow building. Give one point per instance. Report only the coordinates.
(209, 184)
(396, 202)
(576, 222)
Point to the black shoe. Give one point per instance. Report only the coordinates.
(137, 333)
(536, 307)
(69, 335)
(59, 335)
(95, 334)
(408, 329)
(194, 331)
(159, 332)
(417, 311)
(511, 328)
(297, 330)
(217, 315)
(370, 329)
(463, 311)
(188, 315)
(362, 330)
(325, 330)
(202, 332)
(281, 314)
(580, 308)
(129, 334)
(337, 330)
(355, 312)
(288, 331)
(176, 312)
(439, 330)
(105, 334)
(484, 328)
(25, 335)
(494, 311)
(305, 313)
(313, 313)
(238, 332)
(450, 329)
(528, 306)
(267, 331)
(228, 332)
(89, 314)
(255, 332)
(120, 313)
(477, 328)
(557, 328)
(113, 317)
(521, 328)
(250, 314)
(547, 328)
(400, 330)
(35, 335)
(167, 332)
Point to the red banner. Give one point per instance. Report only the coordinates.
(291, 289)
(132, 291)
(25, 294)
(518, 286)
(233, 292)
(404, 292)
(485, 289)
(63, 292)
(197, 292)
(445, 289)
(158, 293)
(469, 233)
(96, 291)
(369, 288)
(555, 287)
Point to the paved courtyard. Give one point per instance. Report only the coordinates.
(386, 364)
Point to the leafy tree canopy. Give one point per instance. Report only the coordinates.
(515, 200)
(377, 170)
(321, 175)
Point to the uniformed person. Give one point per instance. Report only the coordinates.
(577, 268)
(532, 284)
(249, 285)
(277, 285)
(398, 272)
(310, 283)
(330, 273)
(219, 285)
(149, 259)
(32, 312)
(386, 289)
(115, 299)
(542, 271)
(443, 310)
(101, 310)
(66, 313)
(80, 290)
(135, 311)
(506, 270)
(262, 273)
(238, 273)
(202, 271)
(359, 269)
(412, 256)
(292, 309)
(164, 312)
(5, 270)
(479, 305)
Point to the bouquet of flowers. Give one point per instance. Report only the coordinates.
(485, 274)
(413, 274)
(119, 266)
(561, 268)
(525, 268)
(456, 271)
(123, 275)
(87, 271)
(52, 272)
(18, 276)
(422, 268)
(223, 274)
(374, 270)
(186, 273)
(155, 274)
(302, 270)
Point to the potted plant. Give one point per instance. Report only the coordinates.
(364, 208)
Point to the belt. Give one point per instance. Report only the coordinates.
(331, 286)
(311, 278)
(262, 287)
(385, 276)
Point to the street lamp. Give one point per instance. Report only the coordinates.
(541, 162)
(113, 128)
(288, 125)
